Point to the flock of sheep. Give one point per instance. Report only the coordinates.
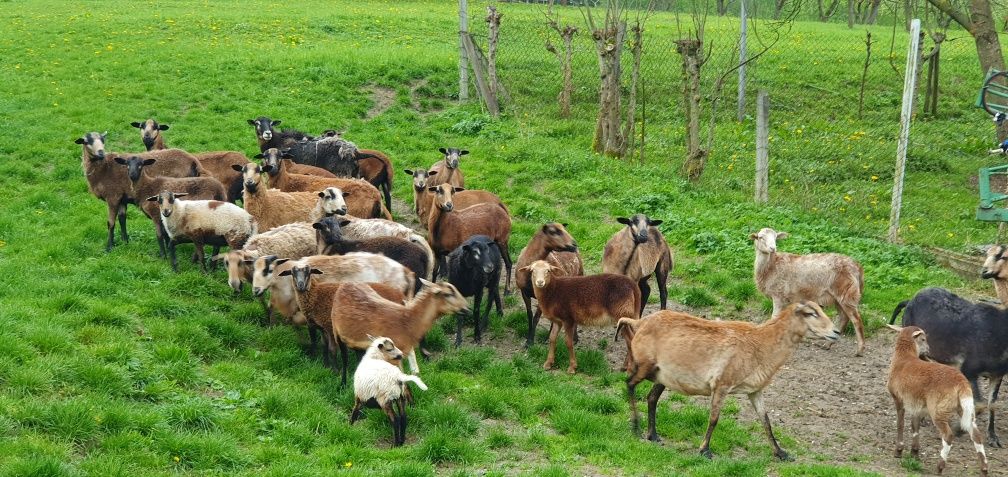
(315, 232)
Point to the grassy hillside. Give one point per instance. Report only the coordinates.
(110, 364)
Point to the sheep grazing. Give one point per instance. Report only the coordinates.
(375, 167)
(971, 336)
(825, 278)
(146, 185)
(274, 156)
(553, 244)
(421, 201)
(448, 228)
(272, 208)
(358, 311)
(698, 357)
(638, 251)
(333, 154)
(380, 383)
(203, 222)
(473, 267)
(217, 163)
(293, 241)
(315, 297)
(330, 241)
(927, 389)
(594, 300)
(447, 169)
(106, 181)
(364, 199)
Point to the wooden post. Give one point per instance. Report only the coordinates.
(762, 146)
(479, 71)
(909, 81)
(463, 55)
(742, 62)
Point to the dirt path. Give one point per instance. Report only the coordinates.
(835, 405)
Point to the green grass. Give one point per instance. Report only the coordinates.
(110, 364)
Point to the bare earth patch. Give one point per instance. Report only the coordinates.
(382, 99)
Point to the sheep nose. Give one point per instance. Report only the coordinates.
(448, 207)
(258, 291)
(235, 285)
(100, 154)
(342, 211)
(267, 135)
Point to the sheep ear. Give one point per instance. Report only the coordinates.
(163, 127)
(321, 194)
(152, 198)
(654, 222)
(895, 328)
(238, 167)
(315, 271)
(753, 236)
(267, 168)
(443, 151)
(463, 152)
(280, 261)
(526, 267)
(248, 262)
(286, 154)
(565, 225)
(459, 189)
(426, 283)
(252, 122)
(782, 235)
(149, 162)
(136, 125)
(258, 156)
(218, 257)
(318, 225)
(344, 223)
(432, 189)
(345, 194)
(276, 123)
(79, 140)
(431, 173)
(408, 171)
(284, 273)
(918, 333)
(181, 194)
(120, 160)
(623, 220)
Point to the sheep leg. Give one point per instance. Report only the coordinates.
(507, 266)
(113, 210)
(387, 190)
(633, 379)
(343, 361)
(645, 292)
(171, 254)
(551, 351)
(121, 213)
(946, 436)
(900, 412)
(355, 413)
(652, 411)
(717, 400)
(661, 278)
(213, 263)
(401, 405)
(977, 439)
(459, 318)
(532, 321)
(477, 299)
(394, 420)
(495, 293)
(569, 332)
(313, 338)
(414, 367)
(915, 423)
(756, 399)
(994, 385)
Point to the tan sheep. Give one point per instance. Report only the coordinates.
(363, 199)
(273, 208)
(446, 171)
(638, 251)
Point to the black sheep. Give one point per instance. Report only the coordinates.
(409, 254)
(331, 153)
(971, 335)
(473, 266)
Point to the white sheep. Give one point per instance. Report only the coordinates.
(293, 241)
(379, 382)
(202, 222)
(825, 278)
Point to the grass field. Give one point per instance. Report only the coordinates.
(110, 364)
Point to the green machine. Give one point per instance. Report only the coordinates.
(993, 98)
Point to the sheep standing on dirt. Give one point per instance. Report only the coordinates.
(698, 357)
(638, 251)
(553, 244)
(379, 382)
(421, 200)
(474, 267)
(569, 302)
(201, 222)
(924, 388)
(825, 278)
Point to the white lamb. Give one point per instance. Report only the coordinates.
(379, 381)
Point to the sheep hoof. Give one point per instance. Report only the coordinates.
(993, 440)
(547, 366)
(941, 466)
(427, 354)
(571, 370)
(783, 456)
(898, 454)
(654, 438)
(707, 453)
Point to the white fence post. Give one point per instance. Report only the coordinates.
(909, 85)
(463, 56)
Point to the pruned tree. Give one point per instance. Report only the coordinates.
(936, 25)
(826, 13)
(566, 33)
(493, 21)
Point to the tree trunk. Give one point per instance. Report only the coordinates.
(825, 15)
(850, 13)
(609, 47)
(631, 112)
(778, 7)
(873, 14)
(722, 7)
(696, 157)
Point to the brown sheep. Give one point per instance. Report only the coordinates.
(146, 185)
(638, 251)
(594, 300)
(698, 357)
(106, 181)
(358, 311)
(421, 199)
(995, 267)
(825, 278)
(364, 200)
(274, 155)
(926, 388)
(330, 241)
(447, 170)
(273, 208)
(553, 244)
(448, 228)
(460, 198)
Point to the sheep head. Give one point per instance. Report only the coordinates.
(251, 176)
(239, 265)
(817, 323)
(385, 349)
(134, 166)
(333, 201)
(638, 226)
(996, 264)
(420, 177)
(166, 201)
(272, 159)
(476, 255)
(766, 240)
(329, 230)
(452, 155)
(94, 145)
(448, 298)
(912, 337)
(264, 127)
(540, 272)
(443, 196)
(300, 273)
(263, 273)
(150, 130)
(557, 239)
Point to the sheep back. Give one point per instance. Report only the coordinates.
(594, 300)
(825, 278)
(620, 257)
(272, 208)
(294, 240)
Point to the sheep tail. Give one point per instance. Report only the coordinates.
(414, 379)
(968, 416)
(896, 312)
